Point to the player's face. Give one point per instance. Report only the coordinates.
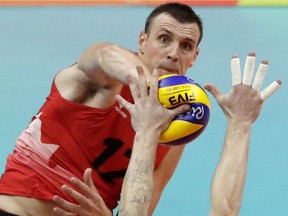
(169, 46)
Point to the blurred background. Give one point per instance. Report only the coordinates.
(39, 39)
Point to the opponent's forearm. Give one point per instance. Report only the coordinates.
(229, 180)
(163, 174)
(137, 189)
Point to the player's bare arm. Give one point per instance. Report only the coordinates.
(241, 106)
(98, 75)
(149, 120)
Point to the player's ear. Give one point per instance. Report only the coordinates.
(142, 41)
(195, 56)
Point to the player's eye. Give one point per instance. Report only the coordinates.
(164, 39)
(187, 46)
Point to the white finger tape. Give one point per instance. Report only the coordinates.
(267, 92)
(259, 77)
(236, 71)
(248, 70)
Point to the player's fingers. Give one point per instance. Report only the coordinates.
(236, 70)
(65, 205)
(59, 212)
(72, 193)
(180, 110)
(83, 187)
(133, 88)
(154, 84)
(268, 91)
(93, 193)
(249, 69)
(143, 89)
(123, 102)
(86, 194)
(260, 75)
(213, 90)
(80, 197)
(87, 178)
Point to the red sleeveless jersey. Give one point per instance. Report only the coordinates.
(64, 139)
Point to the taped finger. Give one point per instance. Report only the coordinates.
(259, 77)
(267, 92)
(248, 70)
(236, 71)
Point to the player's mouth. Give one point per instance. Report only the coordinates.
(168, 70)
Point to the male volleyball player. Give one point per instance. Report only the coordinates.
(82, 126)
(82, 117)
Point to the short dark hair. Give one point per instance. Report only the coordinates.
(181, 12)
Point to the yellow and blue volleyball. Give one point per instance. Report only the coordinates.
(175, 90)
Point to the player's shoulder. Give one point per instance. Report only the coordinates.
(71, 82)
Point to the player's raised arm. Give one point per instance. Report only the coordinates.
(149, 119)
(104, 62)
(241, 106)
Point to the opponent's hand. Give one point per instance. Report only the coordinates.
(243, 103)
(90, 201)
(147, 112)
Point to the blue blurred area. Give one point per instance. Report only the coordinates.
(37, 42)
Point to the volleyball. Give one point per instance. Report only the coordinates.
(175, 90)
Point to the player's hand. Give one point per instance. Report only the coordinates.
(147, 112)
(243, 103)
(90, 201)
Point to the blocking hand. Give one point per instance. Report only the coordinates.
(90, 201)
(243, 103)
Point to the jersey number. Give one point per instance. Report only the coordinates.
(112, 146)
